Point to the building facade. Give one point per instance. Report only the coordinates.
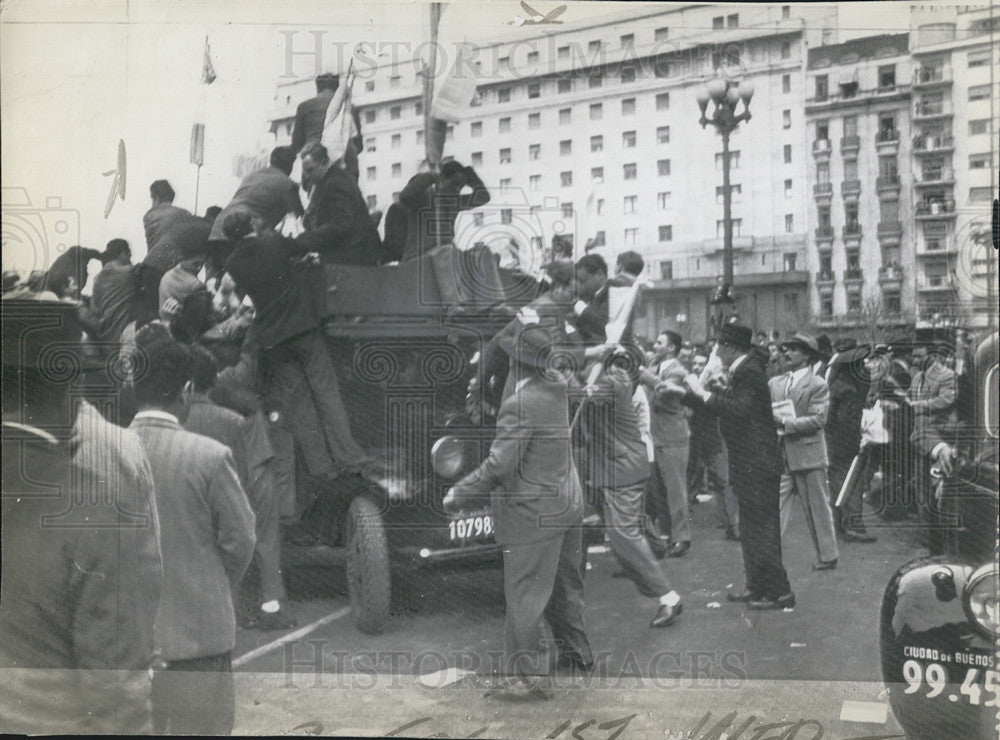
(591, 133)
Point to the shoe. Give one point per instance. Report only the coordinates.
(658, 545)
(855, 536)
(665, 615)
(678, 549)
(731, 535)
(782, 602)
(279, 620)
(742, 596)
(825, 564)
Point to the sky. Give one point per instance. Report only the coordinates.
(77, 77)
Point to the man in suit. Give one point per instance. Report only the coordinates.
(207, 536)
(250, 456)
(433, 200)
(337, 222)
(671, 439)
(804, 445)
(755, 464)
(621, 469)
(81, 563)
(537, 506)
(310, 115)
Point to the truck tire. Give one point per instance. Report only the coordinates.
(369, 583)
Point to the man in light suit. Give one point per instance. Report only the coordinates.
(804, 445)
(537, 506)
(207, 539)
(671, 441)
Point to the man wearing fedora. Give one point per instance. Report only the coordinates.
(755, 464)
(804, 444)
(81, 563)
(537, 505)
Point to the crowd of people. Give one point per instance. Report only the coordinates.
(227, 372)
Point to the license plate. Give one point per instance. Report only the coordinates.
(470, 528)
(960, 677)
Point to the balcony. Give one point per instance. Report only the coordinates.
(931, 76)
(825, 279)
(890, 278)
(937, 284)
(824, 233)
(853, 276)
(823, 190)
(887, 185)
(890, 232)
(850, 144)
(850, 189)
(936, 210)
(821, 148)
(924, 145)
(887, 141)
(926, 111)
(940, 177)
(851, 233)
(938, 248)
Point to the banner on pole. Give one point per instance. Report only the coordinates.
(198, 144)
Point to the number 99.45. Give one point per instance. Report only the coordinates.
(936, 678)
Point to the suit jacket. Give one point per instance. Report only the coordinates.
(843, 424)
(207, 537)
(932, 394)
(225, 426)
(619, 452)
(535, 491)
(267, 193)
(81, 593)
(747, 424)
(310, 115)
(431, 215)
(337, 222)
(668, 424)
(803, 438)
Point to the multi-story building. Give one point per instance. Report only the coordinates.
(861, 214)
(591, 132)
(956, 109)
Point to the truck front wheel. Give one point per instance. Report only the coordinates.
(368, 577)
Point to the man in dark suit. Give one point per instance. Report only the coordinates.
(338, 225)
(81, 562)
(207, 536)
(537, 505)
(755, 465)
(310, 115)
(268, 193)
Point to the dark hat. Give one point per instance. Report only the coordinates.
(825, 346)
(935, 337)
(736, 335)
(674, 337)
(803, 341)
(852, 355)
(842, 345)
(44, 336)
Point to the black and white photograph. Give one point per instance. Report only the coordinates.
(514, 369)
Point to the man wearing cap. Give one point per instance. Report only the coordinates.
(537, 505)
(82, 571)
(841, 346)
(806, 399)
(433, 201)
(755, 464)
(671, 438)
(824, 349)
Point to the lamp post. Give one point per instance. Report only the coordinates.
(726, 95)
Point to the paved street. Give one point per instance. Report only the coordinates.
(718, 657)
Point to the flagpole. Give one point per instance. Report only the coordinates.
(197, 187)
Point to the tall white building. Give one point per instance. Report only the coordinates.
(592, 133)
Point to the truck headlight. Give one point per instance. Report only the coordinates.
(980, 599)
(448, 457)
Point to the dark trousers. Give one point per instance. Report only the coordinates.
(195, 697)
(304, 387)
(760, 533)
(543, 579)
(623, 518)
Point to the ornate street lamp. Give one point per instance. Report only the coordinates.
(726, 95)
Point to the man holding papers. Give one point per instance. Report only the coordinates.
(800, 402)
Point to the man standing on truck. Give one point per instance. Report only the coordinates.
(537, 505)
